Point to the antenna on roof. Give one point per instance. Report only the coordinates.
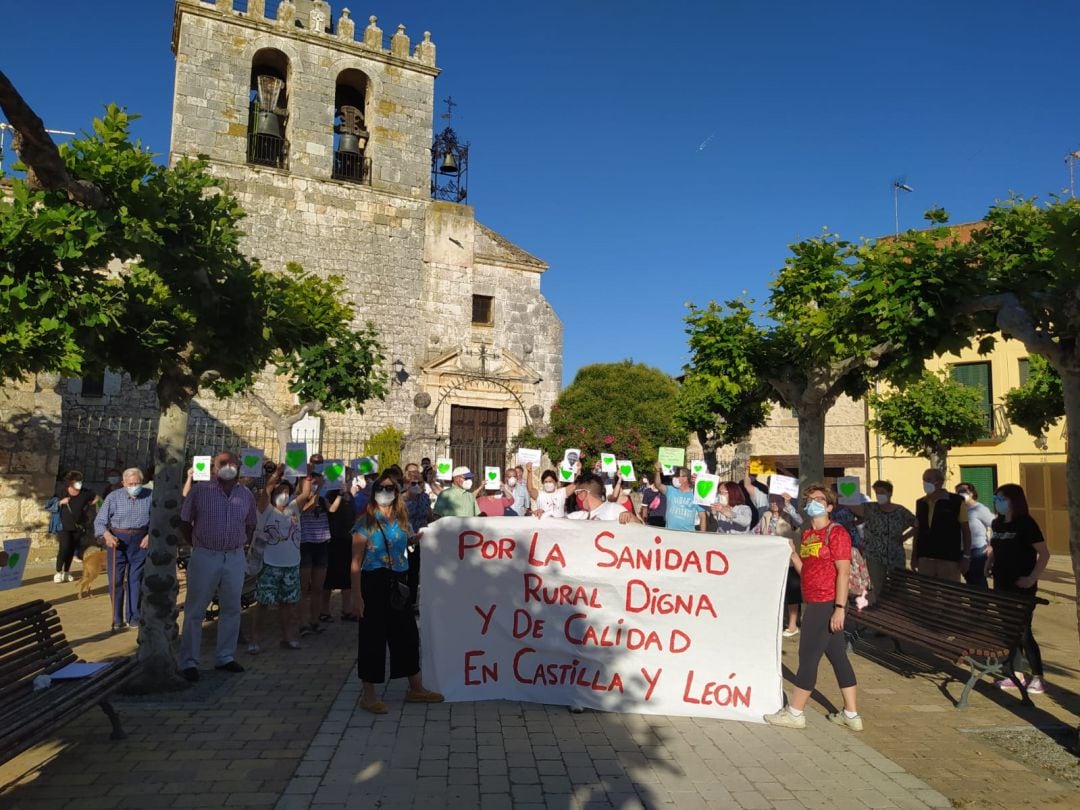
(1070, 161)
(898, 185)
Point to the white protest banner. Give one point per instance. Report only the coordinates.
(625, 618)
(443, 468)
(571, 456)
(492, 478)
(201, 466)
(607, 463)
(848, 487)
(670, 457)
(13, 562)
(526, 455)
(784, 485)
(296, 459)
(251, 460)
(626, 469)
(705, 489)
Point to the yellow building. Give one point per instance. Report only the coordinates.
(1008, 454)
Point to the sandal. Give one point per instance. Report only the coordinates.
(423, 696)
(378, 707)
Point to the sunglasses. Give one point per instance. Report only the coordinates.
(386, 488)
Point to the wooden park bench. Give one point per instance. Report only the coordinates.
(32, 643)
(979, 629)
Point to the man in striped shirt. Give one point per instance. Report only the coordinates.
(124, 522)
(219, 519)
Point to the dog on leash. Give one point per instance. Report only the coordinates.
(93, 563)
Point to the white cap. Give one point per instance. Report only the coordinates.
(462, 471)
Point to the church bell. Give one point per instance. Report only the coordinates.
(449, 164)
(353, 135)
(267, 121)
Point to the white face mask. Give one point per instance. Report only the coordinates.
(134, 490)
(466, 484)
(549, 486)
(76, 485)
(929, 487)
(281, 500)
(721, 498)
(384, 498)
(883, 497)
(227, 473)
(511, 482)
(966, 496)
(113, 479)
(416, 489)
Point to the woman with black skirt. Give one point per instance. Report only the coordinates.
(386, 619)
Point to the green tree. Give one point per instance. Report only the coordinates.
(929, 417)
(839, 316)
(623, 408)
(1039, 402)
(108, 259)
(722, 402)
(1028, 258)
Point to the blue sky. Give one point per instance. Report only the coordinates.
(656, 154)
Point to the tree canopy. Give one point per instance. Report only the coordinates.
(1038, 403)
(929, 417)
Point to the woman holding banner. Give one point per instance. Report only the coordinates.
(823, 560)
(381, 598)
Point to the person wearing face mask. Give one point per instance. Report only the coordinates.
(942, 546)
(339, 554)
(114, 480)
(418, 507)
(653, 503)
(731, 512)
(517, 487)
(219, 520)
(680, 511)
(886, 526)
(592, 502)
(278, 581)
(315, 550)
(550, 501)
(824, 560)
(979, 520)
(124, 522)
(1018, 556)
(457, 500)
(380, 539)
(75, 503)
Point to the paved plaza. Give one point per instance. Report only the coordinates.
(287, 734)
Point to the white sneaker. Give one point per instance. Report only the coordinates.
(841, 719)
(790, 633)
(786, 719)
(68, 577)
(58, 577)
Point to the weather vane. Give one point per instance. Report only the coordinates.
(448, 116)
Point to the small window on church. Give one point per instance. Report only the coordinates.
(93, 387)
(268, 112)
(482, 310)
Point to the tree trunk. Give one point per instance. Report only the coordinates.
(939, 460)
(708, 449)
(811, 442)
(158, 636)
(1070, 383)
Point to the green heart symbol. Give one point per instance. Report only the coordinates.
(704, 488)
(366, 466)
(566, 474)
(848, 488)
(492, 475)
(334, 471)
(625, 469)
(294, 458)
(200, 466)
(251, 461)
(13, 560)
(606, 459)
(444, 468)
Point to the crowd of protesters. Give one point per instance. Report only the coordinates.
(294, 540)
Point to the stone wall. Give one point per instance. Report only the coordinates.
(29, 458)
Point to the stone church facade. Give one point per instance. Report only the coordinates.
(331, 157)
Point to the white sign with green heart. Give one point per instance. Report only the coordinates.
(251, 460)
(492, 478)
(201, 465)
(334, 471)
(566, 474)
(697, 466)
(296, 459)
(626, 469)
(848, 487)
(443, 468)
(705, 489)
(366, 465)
(607, 463)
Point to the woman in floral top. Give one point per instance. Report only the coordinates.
(380, 539)
(885, 528)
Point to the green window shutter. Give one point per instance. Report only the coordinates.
(977, 376)
(984, 479)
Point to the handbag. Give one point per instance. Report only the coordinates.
(400, 594)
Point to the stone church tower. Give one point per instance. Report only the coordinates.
(325, 136)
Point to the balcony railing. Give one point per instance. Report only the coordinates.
(352, 168)
(266, 150)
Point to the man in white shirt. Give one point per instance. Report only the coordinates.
(594, 505)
